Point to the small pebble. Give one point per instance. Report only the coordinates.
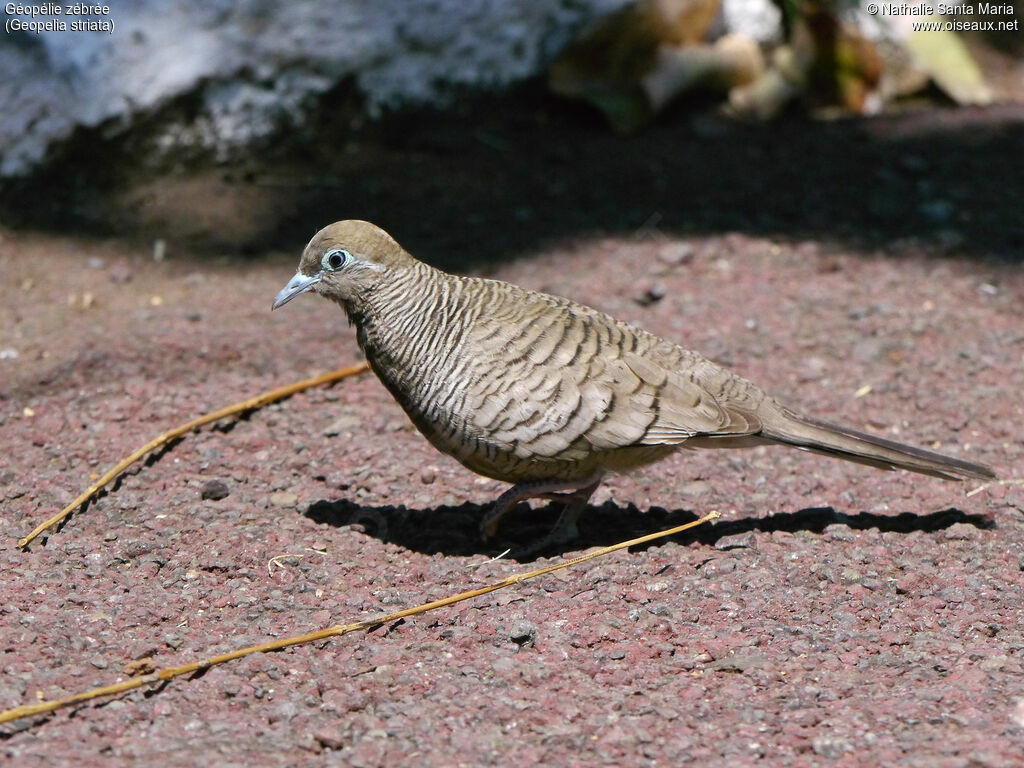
(428, 475)
(674, 254)
(650, 293)
(345, 423)
(215, 490)
(829, 263)
(851, 576)
(840, 532)
(283, 499)
(736, 541)
(330, 739)
(695, 488)
(138, 667)
(738, 663)
(962, 531)
(831, 747)
(120, 273)
(523, 633)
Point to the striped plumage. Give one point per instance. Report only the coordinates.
(545, 393)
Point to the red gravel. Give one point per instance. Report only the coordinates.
(835, 614)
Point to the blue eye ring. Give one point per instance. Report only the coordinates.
(335, 259)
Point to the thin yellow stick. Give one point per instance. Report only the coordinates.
(246, 405)
(1008, 481)
(335, 631)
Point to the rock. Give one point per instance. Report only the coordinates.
(695, 488)
(329, 738)
(215, 490)
(523, 633)
(121, 273)
(675, 254)
(651, 293)
(962, 532)
(344, 424)
(840, 532)
(831, 747)
(738, 662)
(737, 541)
(252, 68)
(994, 663)
(850, 576)
(138, 667)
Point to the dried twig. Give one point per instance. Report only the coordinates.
(986, 486)
(335, 631)
(232, 410)
(277, 560)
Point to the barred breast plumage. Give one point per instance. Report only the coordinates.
(548, 394)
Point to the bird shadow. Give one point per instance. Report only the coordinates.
(454, 530)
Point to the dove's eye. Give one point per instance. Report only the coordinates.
(335, 259)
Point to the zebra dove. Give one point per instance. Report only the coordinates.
(548, 394)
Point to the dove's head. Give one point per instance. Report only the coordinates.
(345, 261)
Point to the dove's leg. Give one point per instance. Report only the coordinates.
(573, 495)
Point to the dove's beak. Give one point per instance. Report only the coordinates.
(298, 284)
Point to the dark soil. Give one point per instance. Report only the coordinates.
(866, 271)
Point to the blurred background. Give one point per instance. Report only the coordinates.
(477, 128)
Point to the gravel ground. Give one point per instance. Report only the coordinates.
(834, 615)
